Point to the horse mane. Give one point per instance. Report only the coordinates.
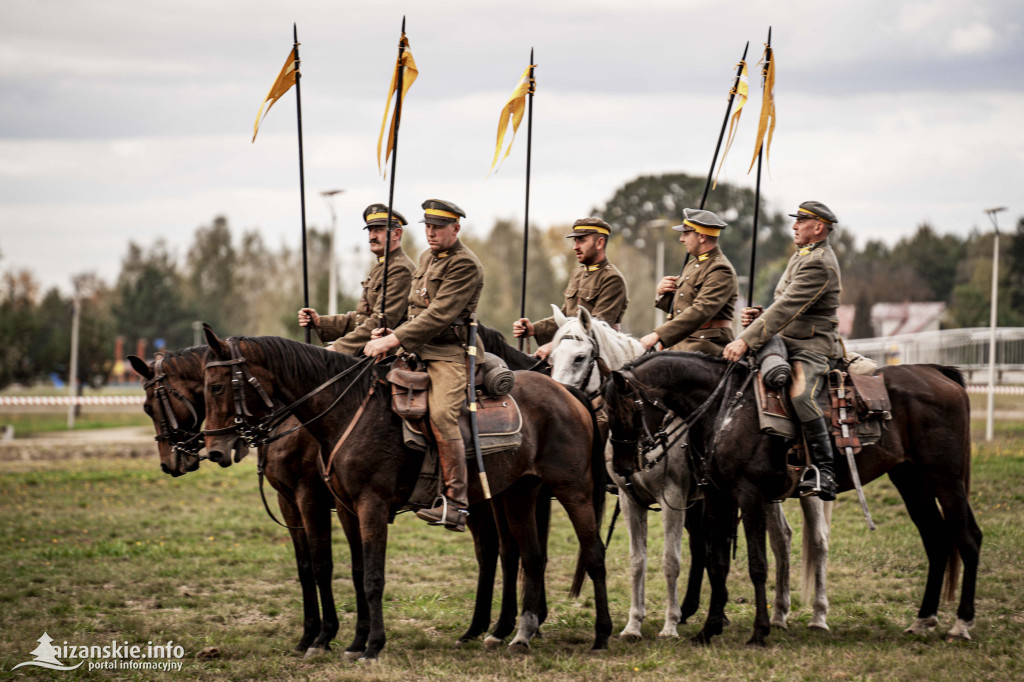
(307, 362)
(695, 355)
(186, 362)
(496, 343)
(954, 373)
(607, 336)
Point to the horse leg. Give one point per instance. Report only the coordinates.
(719, 525)
(299, 532)
(937, 545)
(960, 522)
(519, 502)
(350, 524)
(757, 564)
(315, 508)
(780, 536)
(817, 529)
(694, 524)
(485, 544)
(636, 525)
(373, 526)
(508, 550)
(672, 523)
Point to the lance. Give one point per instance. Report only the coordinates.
(721, 136)
(757, 186)
(526, 221)
(302, 176)
(391, 193)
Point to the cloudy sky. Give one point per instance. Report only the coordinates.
(132, 120)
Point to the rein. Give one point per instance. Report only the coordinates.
(182, 441)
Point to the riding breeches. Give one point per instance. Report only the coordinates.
(810, 372)
(446, 396)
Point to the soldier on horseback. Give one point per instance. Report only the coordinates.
(596, 285)
(804, 314)
(445, 290)
(700, 302)
(350, 331)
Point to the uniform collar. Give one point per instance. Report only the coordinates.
(451, 250)
(708, 255)
(806, 249)
(595, 267)
(395, 253)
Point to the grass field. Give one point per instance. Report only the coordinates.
(101, 550)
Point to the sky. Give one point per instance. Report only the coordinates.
(132, 121)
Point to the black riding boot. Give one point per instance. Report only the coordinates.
(819, 447)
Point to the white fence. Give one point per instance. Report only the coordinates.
(967, 349)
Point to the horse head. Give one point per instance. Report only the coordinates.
(174, 393)
(236, 399)
(574, 354)
(633, 416)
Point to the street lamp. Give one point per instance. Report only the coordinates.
(992, 322)
(332, 275)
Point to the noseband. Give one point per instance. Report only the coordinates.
(182, 441)
(596, 362)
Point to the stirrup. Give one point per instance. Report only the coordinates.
(810, 481)
(459, 525)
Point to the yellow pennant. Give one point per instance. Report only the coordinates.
(767, 107)
(406, 62)
(741, 91)
(285, 80)
(513, 112)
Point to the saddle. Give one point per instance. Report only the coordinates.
(499, 420)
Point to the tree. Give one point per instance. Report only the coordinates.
(18, 327)
(148, 302)
(935, 258)
(210, 277)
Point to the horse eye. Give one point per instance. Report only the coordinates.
(148, 410)
(580, 358)
(216, 389)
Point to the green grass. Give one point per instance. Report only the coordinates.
(102, 549)
(31, 424)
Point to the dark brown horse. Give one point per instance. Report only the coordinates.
(175, 403)
(925, 450)
(177, 406)
(373, 474)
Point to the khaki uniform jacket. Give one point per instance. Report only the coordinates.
(445, 289)
(599, 288)
(706, 292)
(806, 306)
(351, 331)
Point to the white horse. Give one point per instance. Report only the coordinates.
(665, 480)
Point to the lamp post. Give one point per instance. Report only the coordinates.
(332, 275)
(992, 322)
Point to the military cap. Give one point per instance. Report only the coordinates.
(704, 222)
(816, 210)
(585, 226)
(438, 212)
(377, 215)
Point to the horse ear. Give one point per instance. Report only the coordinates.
(140, 367)
(620, 381)
(585, 318)
(560, 319)
(219, 348)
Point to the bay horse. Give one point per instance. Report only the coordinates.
(372, 473)
(664, 477)
(925, 449)
(177, 406)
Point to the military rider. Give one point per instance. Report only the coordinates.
(596, 285)
(445, 291)
(805, 314)
(700, 302)
(350, 331)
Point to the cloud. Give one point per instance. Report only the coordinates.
(972, 39)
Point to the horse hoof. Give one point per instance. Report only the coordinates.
(921, 626)
(599, 652)
(314, 652)
(491, 643)
(351, 655)
(820, 627)
(630, 637)
(518, 647)
(960, 632)
(701, 639)
(668, 634)
(366, 661)
(781, 624)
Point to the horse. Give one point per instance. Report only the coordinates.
(174, 401)
(372, 474)
(664, 477)
(176, 404)
(925, 450)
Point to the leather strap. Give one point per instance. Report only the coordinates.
(717, 324)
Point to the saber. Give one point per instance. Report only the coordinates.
(474, 428)
(850, 461)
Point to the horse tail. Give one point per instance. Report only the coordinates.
(953, 568)
(598, 479)
(954, 373)
(809, 558)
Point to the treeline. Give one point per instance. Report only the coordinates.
(241, 285)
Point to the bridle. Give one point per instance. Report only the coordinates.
(182, 441)
(597, 363)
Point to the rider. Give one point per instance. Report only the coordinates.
(350, 331)
(804, 314)
(596, 285)
(700, 302)
(445, 291)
